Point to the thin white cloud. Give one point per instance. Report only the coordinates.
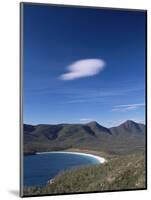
(86, 119)
(128, 107)
(83, 68)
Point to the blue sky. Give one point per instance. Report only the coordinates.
(83, 64)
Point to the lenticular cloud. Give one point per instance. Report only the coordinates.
(83, 68)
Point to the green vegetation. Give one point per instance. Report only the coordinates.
(118, 173)
(123, 147)
(126, 138)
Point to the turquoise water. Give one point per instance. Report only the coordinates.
(40, 168)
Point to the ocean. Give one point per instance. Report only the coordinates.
(40, 168)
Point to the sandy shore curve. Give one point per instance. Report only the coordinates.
(98, 158)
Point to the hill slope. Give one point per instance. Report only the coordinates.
(129, 136)
(119, 173)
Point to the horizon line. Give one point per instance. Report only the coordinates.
(144, 123)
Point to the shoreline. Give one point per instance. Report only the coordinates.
(98, 158)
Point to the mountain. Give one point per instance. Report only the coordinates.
(129, 128)
(97, 128)
(128, 136)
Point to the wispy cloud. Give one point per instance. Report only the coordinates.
(84, 100)
(83, 68)
(96, 95)
(68, 95)
(128, 107)
(86, 120)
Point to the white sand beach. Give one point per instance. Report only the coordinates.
(98, 158)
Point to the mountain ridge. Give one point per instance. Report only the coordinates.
(91, 122)
(92, 135)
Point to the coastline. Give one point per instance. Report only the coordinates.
(98, 158)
